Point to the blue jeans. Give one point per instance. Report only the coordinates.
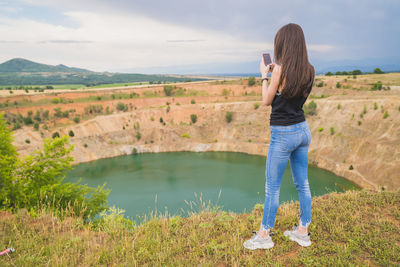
(287, 143)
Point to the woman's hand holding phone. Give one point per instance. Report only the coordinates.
(264, 69)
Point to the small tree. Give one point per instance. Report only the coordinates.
(251, 81)
(228, 116)
(193, 118)
(122, 107)
(71, 133)
(77, 119)
(328, 73)
(378, 71)
(55, 134)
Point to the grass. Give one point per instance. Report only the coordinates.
(348, 229)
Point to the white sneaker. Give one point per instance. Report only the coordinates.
(302, 239)
(257, 242)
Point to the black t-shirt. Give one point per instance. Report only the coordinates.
(287, 111)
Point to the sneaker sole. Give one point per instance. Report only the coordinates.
(261, 246)
(299, 241)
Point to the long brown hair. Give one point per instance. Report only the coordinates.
(290, 52)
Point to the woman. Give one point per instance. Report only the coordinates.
(291, 82)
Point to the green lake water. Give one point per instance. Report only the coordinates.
(171, 181)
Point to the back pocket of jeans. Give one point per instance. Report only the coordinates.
(289, 141)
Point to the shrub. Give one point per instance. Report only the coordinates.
(152, 118)
(310, 109)
(359, 123)
(378, 71)
(161, 120)
(134, 151)
(386, 114)
(71, 133)
(192, 101)
(193, 118)
(338, 85)
(377, 86)
(138, 135)
(168, 108)
(122, 107)
(77, 119)
(169, 89)
(85, 145)
(55, 134)
(27, 141)
(251, 81)
(332, 131)
(28, 120)
(256, 105)
(36, 181)
(351, 167)
(320, 129)
(375, 106)
(90, 109)
(228, 116)
(17, 125)
(320, 84)
(225, 92)
(339, 106)
(36, 126)
(185, 135)
(328, 73)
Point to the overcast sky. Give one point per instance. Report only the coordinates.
(198, 36)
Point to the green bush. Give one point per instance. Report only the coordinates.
(320, 84)
(185, 135)
(77, 119)
(310, 109)
(386, 114)
(339, 106)
(169, 90)
(228, 116)
(193, 118)
(36, 126)
(55, 134)
(251, 81)
(91, 109)
(328, 73)
(320, 129)
(71, 133)
(378, 71)
(138, 135)
(375, 106)
(122, 107)
(36, 181)
(338, 85)
(256, 105)
(377, 86)
(332, 131)
(192, 101)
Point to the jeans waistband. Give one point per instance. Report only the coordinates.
(293, 127)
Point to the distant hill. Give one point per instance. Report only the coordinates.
(24, 65)
(19, 71)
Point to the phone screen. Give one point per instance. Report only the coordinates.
(267, 59)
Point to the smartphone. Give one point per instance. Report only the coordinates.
(267, 59)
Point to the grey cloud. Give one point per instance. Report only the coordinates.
(358, 28)
(65, 42)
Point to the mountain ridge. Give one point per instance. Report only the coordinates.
(25, 65)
